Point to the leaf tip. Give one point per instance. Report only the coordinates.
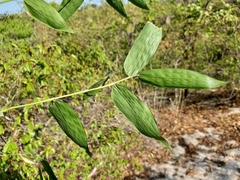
(89, 153)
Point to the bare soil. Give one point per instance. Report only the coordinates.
(204, 135)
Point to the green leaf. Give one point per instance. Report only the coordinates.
(68, 7)
(30, 87)
(95, 85)
(63, 3)
(25, 138)
(10, 147)
(143, 49)
(40, 173)
(179, 78)
(118, 6)
(45, 13)
(48, 169)
(92, 93)
(69, 123)
(140, 3)
(137, 112)
(5, 1)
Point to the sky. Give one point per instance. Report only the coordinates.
(16, 6)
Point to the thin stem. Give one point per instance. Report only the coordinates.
(59, 97)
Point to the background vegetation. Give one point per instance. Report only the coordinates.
(38, 62)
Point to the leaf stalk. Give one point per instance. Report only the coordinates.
(63, 96)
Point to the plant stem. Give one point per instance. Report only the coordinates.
(59, 97)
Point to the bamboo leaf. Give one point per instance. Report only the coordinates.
(63, 3)
(48, 169)
(140, 3)
(118, 6)
(137, 112)
(143, 49)
(179, 78)
(92, 93)
(95, 85)
(40, 173)
(46, 14)
(69, 123)
(68, 7)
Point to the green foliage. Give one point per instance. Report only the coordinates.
(118, 6)
(68, 7)
(143, 49)
(49, 170)
(46, 14)
(200, 36)
(137, 112)
(133, 108)
(10, 28)
(10, 147)
(69, 123)
(140, 3)
(38, 63)
(96, 85)
(179, 78)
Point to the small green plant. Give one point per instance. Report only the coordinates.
(127, 102)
